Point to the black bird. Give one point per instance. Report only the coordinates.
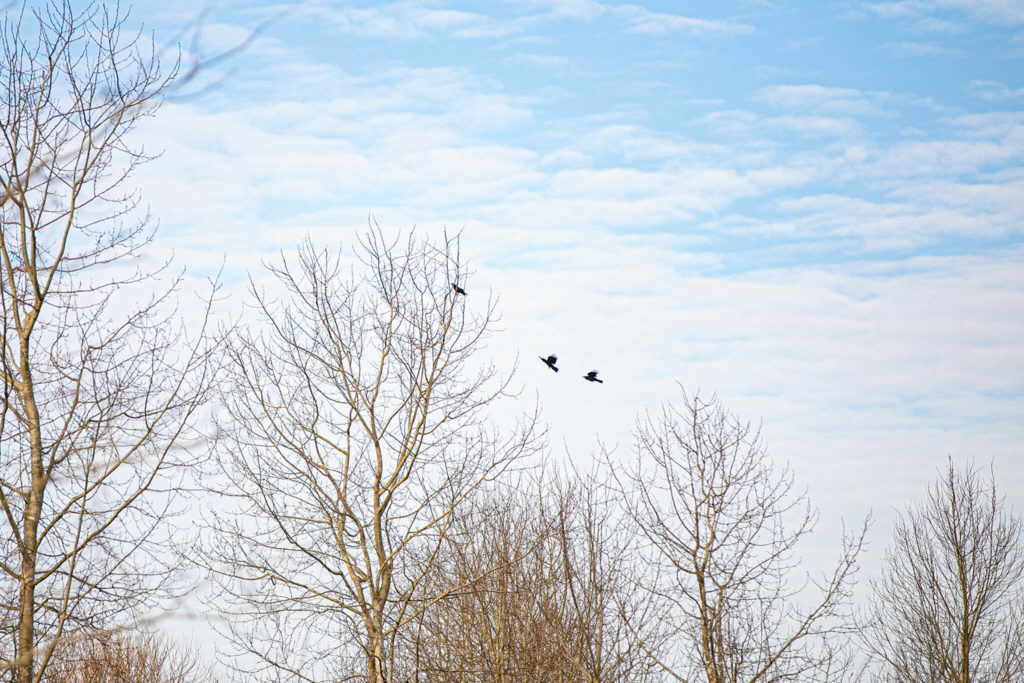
(592, 377)
(458, 290)
(550, 361)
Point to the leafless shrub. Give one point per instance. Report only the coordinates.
(124, 657)
(537, 584)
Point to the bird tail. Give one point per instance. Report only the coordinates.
(599, 380)
(554, 368)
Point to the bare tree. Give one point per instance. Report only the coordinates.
(495, 572)
(97, 389)
(537, 588)
(124, 657)
(593, 598)
(356, 428)
(948, 606)
(722, 527)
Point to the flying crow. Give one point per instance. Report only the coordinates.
(458, 290)
(550, 361)
(592, 377)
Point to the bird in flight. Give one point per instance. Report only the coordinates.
(458, 290)
(592, 377)
(550, 361)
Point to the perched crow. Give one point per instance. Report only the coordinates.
(592, 377)
(458, 290)
(550, 361)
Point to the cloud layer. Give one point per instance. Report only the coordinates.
(824, 229)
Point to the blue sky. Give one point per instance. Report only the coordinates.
(815, 209)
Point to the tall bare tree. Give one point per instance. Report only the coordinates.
(948, 606)
(97, 389)
(721, 527)
(356, 428)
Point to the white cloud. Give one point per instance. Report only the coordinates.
(542, 61)
(823, 99)
(964, 154)
(408, 19)
(587, 10)
(944, 26)
(900, 9)
(911, 48)
(642, 20)
(1000, 12)
(996, 92)
(1006, 12)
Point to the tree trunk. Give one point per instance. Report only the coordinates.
(25, 655)
(375, 654)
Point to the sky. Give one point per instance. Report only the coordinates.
(813, 208)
